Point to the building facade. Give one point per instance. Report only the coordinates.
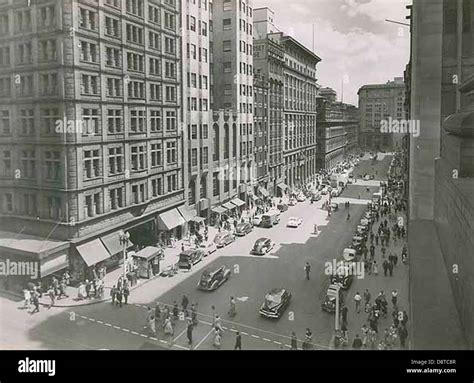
(378, 103)
(91, 139)
(197, 114)
(260, 118)
(299, 109)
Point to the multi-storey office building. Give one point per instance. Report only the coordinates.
(300, 91)
(269, 60)
(261, 116)
(377, 103)
(90, 138)
(351, 118)
(232, 104)
(196, 21)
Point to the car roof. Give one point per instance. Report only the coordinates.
(263, 239)
(212, 270)
(276, 291)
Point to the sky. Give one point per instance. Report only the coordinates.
(357, 46)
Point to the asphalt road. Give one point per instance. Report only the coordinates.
(103, 326)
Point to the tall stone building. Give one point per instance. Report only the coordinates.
(91, 136)
(299, 109)
(377, 103)
(441, 174)
(197, 114)
(232, 130)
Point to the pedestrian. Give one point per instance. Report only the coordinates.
(88, 289)
(395, 259)
(385, 267)
(383, 250)
(184, 302)
(194, 314)
(232, 311)
(217, 338)
(367, 300)
(62, 289)
(307, 345)
(168, 327)
(119, 297)
(35, 300)
(402, 335)
(377, 239)
(294, 341)
(357, 299)
(238, 341)
(113, 294)
(390, 268)
(307, 270)
(375, 269)
(357, 343)
(52, 297)
(189, 331)
(175, 310)
(26, 298)
(365, 332)
(218, 324)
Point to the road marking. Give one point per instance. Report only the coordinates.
(117, 327)
(203, 339)
(255, 336)
(179, 335)
(108, 324)
(126, 329)
(266, 339)
(99, 321)
(134, 333)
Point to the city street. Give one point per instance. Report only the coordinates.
(103, 326)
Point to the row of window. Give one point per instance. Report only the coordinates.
(27, 164)
(90, 122)
(200, 54)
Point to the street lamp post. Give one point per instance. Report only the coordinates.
(124, 237)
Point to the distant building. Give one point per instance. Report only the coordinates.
(378, 103)
(263, 22)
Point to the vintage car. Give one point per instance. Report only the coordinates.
(316, 197)
(357, 242)
(208, 248)
(329, 301)
(301, 197)
(349, 255)
(342, 276)
(257, 220)
(223, 238)
(292, 201)
(189, 258)
(294, 222)
(262, 246)
(334, 206)
(212, 278)
(275, 303)
(282, 207)
(243, 229)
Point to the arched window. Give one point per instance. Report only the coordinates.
(203, 187)
(226, 141)
(192, 193)
(215, 137)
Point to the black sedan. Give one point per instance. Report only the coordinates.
(275, 304)
(262, 246)
(188, 258)
(243, 229)
(212, 278)
(223, 238)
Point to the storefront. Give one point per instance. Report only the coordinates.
(90, 254)
(147, 262)
(217, 216)
(283, 188)
(170, 226)
(239, 203)
(187, 215)
(115, 249)
(26, 258)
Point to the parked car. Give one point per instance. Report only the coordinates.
(189, 258)
(341, 276)
(292, 201)
(243, 229)
(329, 301)
(282, 207)
(357, 242)
(275, 303)
(349, 255)
(294, 222)
(223, 238)
(334, 206)
(270, 218)
(324, 191)
(262, 246)
(212, 278)
(257, 220)
(316, 197)
(367, 177)
(208, 248)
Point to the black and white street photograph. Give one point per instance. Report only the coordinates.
(237, 175)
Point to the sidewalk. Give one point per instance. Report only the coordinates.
(170, 258)
(376, 283)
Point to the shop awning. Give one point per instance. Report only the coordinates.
(255, 198)
(264, 192)
(93, 252)
(219, 209)
(51, 265)
(229, 206)
(249, 189)
(148, 252)
(197, 219)
(112, 243)
(170, 219)
(187, 213)
(238, 202)
(282, 186)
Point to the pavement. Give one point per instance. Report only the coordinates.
(104, 325)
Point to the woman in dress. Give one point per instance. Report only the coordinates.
(169, 330)
(217, 338)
